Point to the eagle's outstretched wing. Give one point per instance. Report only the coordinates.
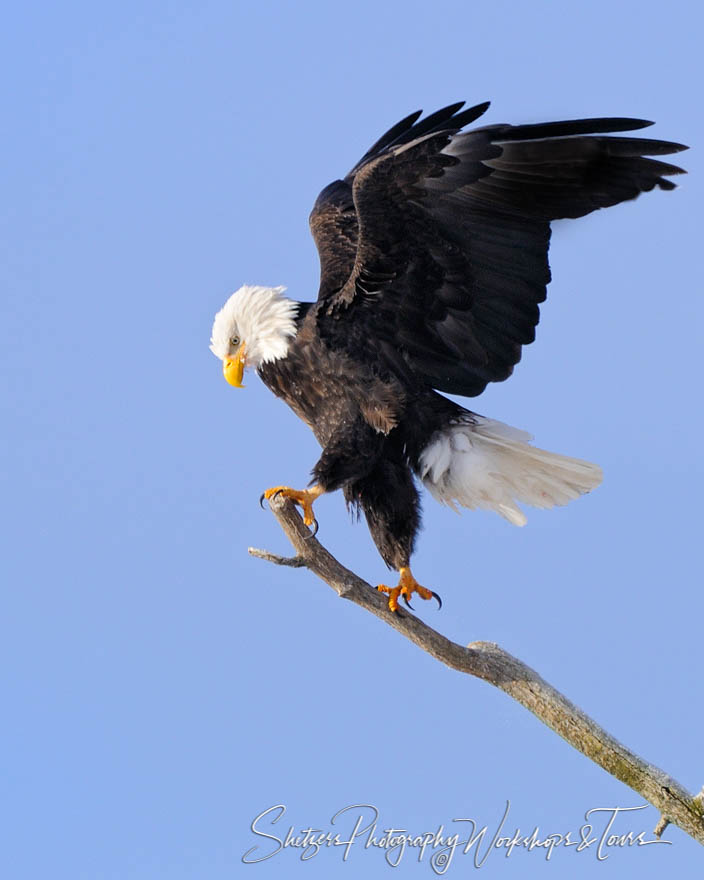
(433, 249)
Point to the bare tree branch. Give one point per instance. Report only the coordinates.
(492, 664)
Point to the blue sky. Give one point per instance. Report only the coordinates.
(161, 688)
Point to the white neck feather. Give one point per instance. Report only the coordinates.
(260, 317)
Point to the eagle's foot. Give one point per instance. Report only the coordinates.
(303, 497)
(407, 586)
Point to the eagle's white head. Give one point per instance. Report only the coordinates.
(254, 326)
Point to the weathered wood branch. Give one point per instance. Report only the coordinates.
(492, 664)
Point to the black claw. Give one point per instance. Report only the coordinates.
(261, 500)
(314, 532)
(405, 599)
(437, 599)
(277, 493)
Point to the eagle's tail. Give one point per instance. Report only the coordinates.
(482, 463)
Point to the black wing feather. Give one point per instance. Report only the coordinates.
(434, 248)
(408, 129)
(389, 137)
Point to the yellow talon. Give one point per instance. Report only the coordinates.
(407, 586)
(303, 497)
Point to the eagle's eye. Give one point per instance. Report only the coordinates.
(234, 341)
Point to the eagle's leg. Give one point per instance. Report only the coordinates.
(303, 497)
(407, 586)
(389, 499)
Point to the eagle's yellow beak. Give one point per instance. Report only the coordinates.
(233, 368)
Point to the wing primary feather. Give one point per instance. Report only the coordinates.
(470, 114)
(389, 137)
(558, 149)
(408, 129)
(568, 127)
(640, 146)
(447, 119)
(436, 121)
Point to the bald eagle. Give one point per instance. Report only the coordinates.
(434, 258)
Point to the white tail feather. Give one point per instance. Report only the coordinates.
(487, 464)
